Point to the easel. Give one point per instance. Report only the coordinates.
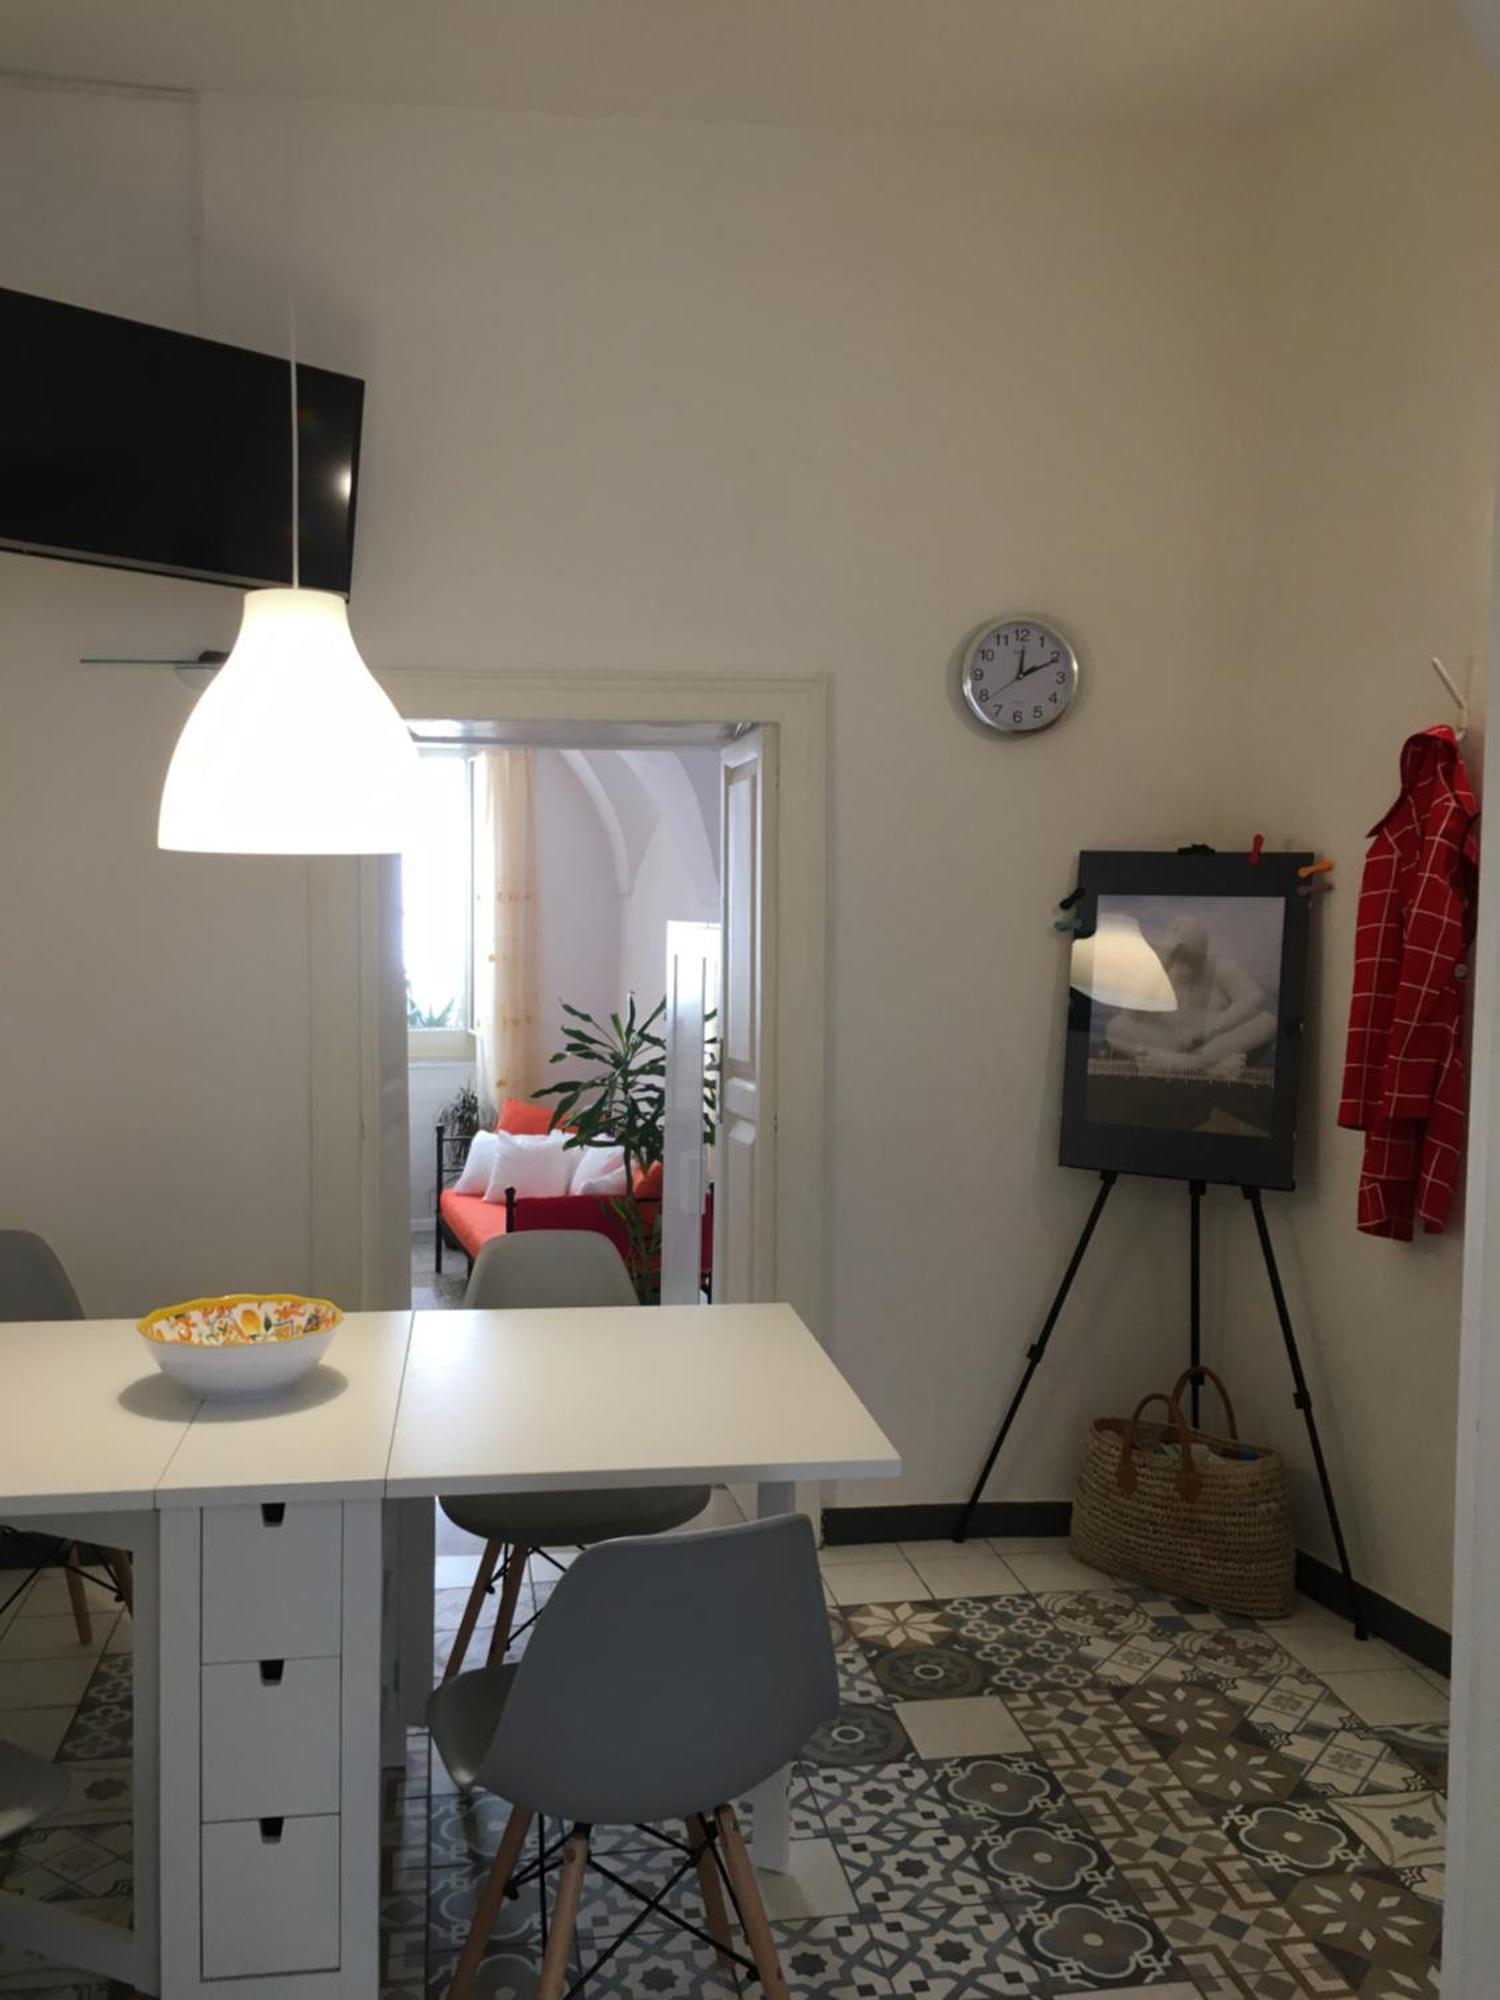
(1300, 1396)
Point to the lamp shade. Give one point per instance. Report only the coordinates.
(1118, 967)
(294, 748)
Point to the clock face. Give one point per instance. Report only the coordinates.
(1019, 676)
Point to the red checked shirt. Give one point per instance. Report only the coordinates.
(1404, 1081)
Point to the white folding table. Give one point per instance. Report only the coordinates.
(272, 1611)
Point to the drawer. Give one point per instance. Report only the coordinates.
(272, 1581)
(270, 1897)
(271, 1739)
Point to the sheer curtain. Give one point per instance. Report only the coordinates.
(505, 926)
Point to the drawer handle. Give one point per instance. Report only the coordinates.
(273, 1513)
(270, 1831)
(271, 1672)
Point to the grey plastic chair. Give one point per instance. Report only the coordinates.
(30, 1788)
(665, 1679)
(35, 1286)
(544, 1268)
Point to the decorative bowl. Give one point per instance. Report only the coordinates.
(247, 1344)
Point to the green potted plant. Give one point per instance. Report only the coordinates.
(616, 1096)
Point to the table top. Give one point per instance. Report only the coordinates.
(613, 1396)
(86, 1419)
(444, 1402)
(329, 1435)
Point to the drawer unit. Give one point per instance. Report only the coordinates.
(270, 1897)
(270, 1739)
(272, 1581)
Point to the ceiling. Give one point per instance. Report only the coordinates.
(913, 64)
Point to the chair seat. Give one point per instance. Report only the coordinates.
(577, 1517)
(30, 1788)
(462, 1715)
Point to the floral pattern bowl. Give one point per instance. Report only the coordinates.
(247, 1344)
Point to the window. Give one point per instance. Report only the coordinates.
(436, 905)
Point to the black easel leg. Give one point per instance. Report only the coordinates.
(1303, 1402)
(1195, 1290)
(1038, 1348)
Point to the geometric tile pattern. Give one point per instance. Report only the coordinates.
(1179, 1805)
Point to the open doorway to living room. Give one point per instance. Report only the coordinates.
(561, 911)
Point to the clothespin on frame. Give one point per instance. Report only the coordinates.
(1069, 923)
(1256, 847)
(1315, 878)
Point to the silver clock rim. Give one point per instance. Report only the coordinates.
(966, 661)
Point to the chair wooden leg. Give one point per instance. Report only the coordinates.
(483, 1577)
(510, 1592)
(564, 1916)
(490, 1898)
(752, 1910)
(120, 1567)
(712, 1891)
(83, 1624)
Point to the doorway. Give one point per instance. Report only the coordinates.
(539, 893)
(361, 1203)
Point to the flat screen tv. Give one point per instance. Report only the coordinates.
(140, 448)
(1185, 1003)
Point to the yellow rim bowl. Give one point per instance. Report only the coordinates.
(240, 1319)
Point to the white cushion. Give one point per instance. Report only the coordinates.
(475, 1177)
(529, 1163)
(599, 1170)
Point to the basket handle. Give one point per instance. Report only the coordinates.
(1218, 1381)
(1189, 1478)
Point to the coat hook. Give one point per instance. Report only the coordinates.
(1458, 700)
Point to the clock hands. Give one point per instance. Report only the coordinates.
(1023, 672)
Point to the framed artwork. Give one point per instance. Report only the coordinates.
(1185, 1011)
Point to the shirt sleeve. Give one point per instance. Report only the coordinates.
(1421, 1041)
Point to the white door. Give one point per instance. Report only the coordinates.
(745, 1154)
(693, 952)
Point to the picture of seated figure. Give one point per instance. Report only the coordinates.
(1220, 1020)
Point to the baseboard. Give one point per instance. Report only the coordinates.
(1428, 1644)
(937, 1522)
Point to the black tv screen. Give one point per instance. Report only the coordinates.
(140, 448)
(1185, 1002)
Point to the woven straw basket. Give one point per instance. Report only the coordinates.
(1196, 1515)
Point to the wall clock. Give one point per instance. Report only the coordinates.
(1018, 675)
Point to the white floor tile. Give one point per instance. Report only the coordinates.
(1034, 1545)
(54, 1637)
(968, 1576)
(454, 1572)
(1058, 1572)
(813, 1884)
(832, 1554)
(1432, 1677)
(1389, 1696)
(894, 1582)
(977, 1725)
(939, 1551)
(39, 1730)
(44, 1683)
(1332, 1648)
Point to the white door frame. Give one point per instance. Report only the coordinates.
(359, 1253)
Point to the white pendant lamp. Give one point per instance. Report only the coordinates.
(294, 748)
(1118, 967)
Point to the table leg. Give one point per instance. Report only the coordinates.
(409, 1583)
(145, 1696)
(771, 1844)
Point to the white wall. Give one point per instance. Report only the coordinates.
(676, 877)
(708, 398)
(430, 1086)
(1380, 349)
(578, 899)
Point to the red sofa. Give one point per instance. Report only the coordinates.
(468, 1221)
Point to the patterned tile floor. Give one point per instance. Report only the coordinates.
(1040, 1784)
